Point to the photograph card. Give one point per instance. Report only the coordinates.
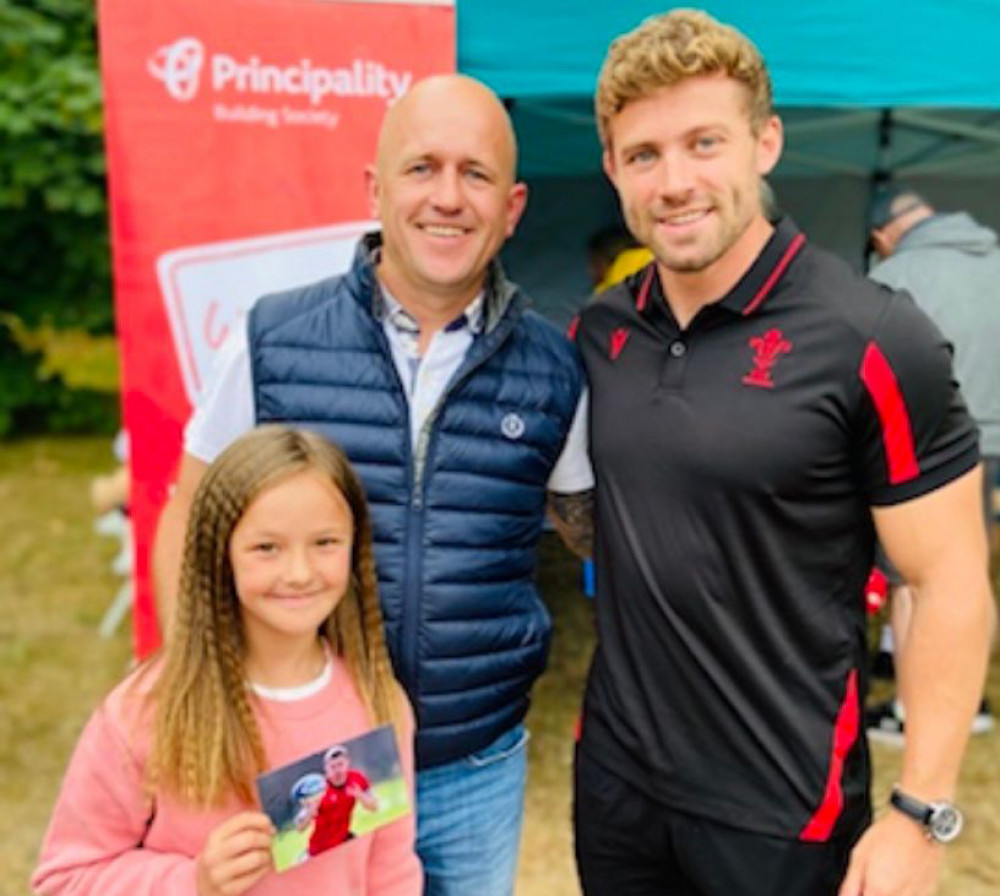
(346, 790)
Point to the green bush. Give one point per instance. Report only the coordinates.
(54, 247)
(31, 402)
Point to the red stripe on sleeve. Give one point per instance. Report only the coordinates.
(845, 733)
(897, 435)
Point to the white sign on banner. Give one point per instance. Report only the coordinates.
(207, 289)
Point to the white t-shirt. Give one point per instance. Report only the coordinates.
(226, 408)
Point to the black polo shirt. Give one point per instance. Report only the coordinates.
(736, 464)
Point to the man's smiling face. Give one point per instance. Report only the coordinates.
(444, 190)
(687, 167)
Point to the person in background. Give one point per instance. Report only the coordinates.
(950, 264)
(758, 411)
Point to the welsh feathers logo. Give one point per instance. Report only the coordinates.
(767, 349)
(178, 66)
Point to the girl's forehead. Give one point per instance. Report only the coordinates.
(301, 497)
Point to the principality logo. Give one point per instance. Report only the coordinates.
(178, 66)
(767, 349)
(512, 426)
(618, 339)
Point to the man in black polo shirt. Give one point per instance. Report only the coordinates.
(758, 411)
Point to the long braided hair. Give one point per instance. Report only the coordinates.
(206, 742)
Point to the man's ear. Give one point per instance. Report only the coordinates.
(608, 164)
(517, 201)
(373, 190)
(770, 142)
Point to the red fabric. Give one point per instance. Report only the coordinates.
(647, 283)
(897, 434)
(845, 733)
(195, 178)
(618, 339)
(876, 590)
(574, 325)
(333, 818)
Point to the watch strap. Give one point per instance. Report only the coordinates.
(911, 806)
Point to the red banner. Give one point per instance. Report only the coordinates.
(237, 132)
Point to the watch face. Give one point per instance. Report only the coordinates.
(945, 823)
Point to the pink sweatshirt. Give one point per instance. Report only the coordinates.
(106, 840)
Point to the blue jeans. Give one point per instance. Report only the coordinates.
(469, 819)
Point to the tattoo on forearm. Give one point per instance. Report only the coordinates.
(573, 516)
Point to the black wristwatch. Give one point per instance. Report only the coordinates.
(942, 822)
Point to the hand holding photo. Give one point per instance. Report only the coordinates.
(323, 800)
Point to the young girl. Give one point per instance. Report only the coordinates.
(276, 651)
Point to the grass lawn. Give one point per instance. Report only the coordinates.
(54, 588)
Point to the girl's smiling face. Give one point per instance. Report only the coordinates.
(291, 558)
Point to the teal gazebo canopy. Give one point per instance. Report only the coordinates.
(903, 89)
(849, 77)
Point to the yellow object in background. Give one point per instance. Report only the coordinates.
(627, 262)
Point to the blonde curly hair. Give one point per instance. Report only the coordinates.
(668, 48)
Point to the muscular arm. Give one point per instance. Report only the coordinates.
(573, 517)
(168, 547)
(938, 544)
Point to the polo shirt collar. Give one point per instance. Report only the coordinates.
(753, 288)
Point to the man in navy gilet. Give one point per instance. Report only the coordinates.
(463, 412)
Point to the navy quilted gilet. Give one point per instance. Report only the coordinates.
(455, 532)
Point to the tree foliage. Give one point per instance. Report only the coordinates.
(32, 402)
(55, 260)
(54, 246)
